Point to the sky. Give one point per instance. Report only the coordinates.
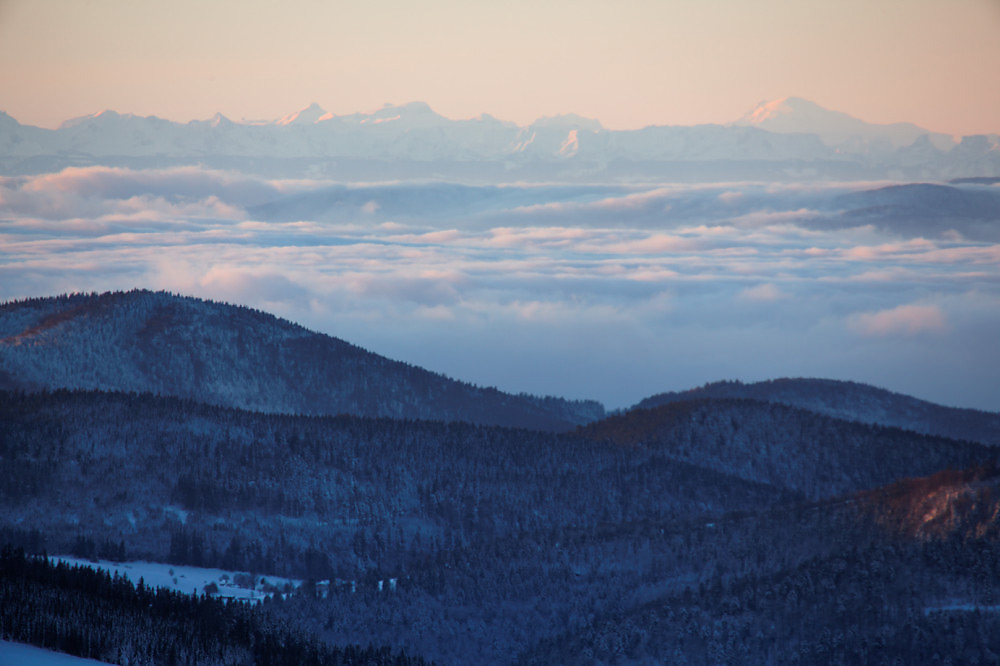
(628, 63)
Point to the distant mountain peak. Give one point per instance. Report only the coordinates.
(409, 110)
(219, 120)
(110, 119)
(769, 110)
(794, 115)
(307, 116)
(569, 121)
(418, 107)
(104, 115)
(412, 114)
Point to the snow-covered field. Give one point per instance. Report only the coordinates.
(19, 654)
(189, 579)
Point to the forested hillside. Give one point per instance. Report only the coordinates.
(237, 357)
(365, 490)
(89, 614)
(912, 603)
(908, 573)
(852, 401)
(466, 543)
(791, 448)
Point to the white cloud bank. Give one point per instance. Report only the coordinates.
(901, 320)
(607, 292)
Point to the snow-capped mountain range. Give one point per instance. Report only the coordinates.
(782, 139)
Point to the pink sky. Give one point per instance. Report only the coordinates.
(628, 63)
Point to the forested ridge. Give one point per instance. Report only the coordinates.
(235, 356)
(852, 401)
(126, 464)
(800, 450)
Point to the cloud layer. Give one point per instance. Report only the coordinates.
(609, 292)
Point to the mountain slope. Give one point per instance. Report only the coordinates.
(116, 463)
(854, 402)
(894, 574)
(232, 356)
(498, 538)
(801, 451)
(947, 505)
(493, 533)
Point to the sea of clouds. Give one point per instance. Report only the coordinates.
(611, 292)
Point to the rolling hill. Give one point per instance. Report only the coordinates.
(792, 448)
(852, 401)
(220, 354)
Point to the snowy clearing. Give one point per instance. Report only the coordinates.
(188, 579)
(29, 655)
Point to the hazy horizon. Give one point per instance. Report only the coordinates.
(629, 64)
(288, 116)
